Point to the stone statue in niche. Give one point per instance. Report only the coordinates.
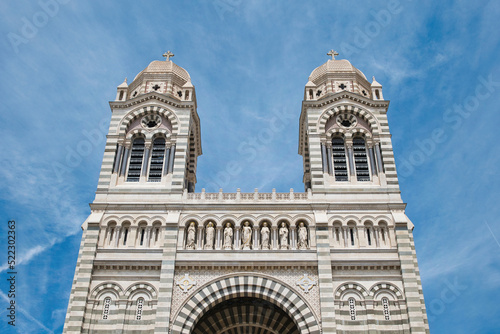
(246, 236)
(264, 236)
(302, 236)
(191, 236)
(283, 232)
(210, 236)
(228, 236)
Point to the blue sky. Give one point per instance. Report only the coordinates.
(249, 61)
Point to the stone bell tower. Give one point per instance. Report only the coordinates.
(154, 138)
(158, 257)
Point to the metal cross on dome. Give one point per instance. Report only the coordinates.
(332, 53)
(168, 54)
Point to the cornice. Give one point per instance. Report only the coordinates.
(334, 97)
(151, 96)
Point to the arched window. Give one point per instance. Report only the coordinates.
(142, 234)
(385, 304)
(360, 159)
(339, 159)
(352, 308)
(135, 165)
(111, 234)
(351, 235)
(125, 236)
(105, 308)
(157, 155)
(369, 236)
(138, 311)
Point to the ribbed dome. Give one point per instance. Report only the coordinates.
(334, 66)
(168, 66)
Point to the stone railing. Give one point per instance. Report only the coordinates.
(247, 197)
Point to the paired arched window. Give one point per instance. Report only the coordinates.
(136, 156)
(360, 159)
(157, 157)
(339, 159)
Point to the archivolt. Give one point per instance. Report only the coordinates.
(366, 115)
(127, 120)
(245, 286)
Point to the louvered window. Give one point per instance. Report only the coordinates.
(339, 159)
(136, 156)
(157, 156)
(360, 159)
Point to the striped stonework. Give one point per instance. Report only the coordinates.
(158, 257)
(167, 273)
(325, 273)
(83, 273)
(253, 286)
(417, 317)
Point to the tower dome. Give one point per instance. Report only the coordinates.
(334, 76)
(334, 67)
(163, 77)
(165, 67)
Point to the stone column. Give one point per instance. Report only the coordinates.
(378, 154)
(329, 155)
(324, 158)
(116, 236)
(375, 234)
(218, 241)
(145, 160)
(166, 161)
(199, 243)
(350, 157)
(293, 237)
(118, 156)
(133, 236)
(274, 236)
(372, 161)
(123, 168)
(148, 236)
(171, 160)
(347, 238)
(237, 241)
(256, 237)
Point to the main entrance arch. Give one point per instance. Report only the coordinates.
(242, 297)
(245, 315)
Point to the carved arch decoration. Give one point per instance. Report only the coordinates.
(351, 286)
(357, 111)
(114, 288)
(255, 286)
(131, 116)
(141, 287)
(379, 287)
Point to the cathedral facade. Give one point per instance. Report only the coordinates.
(158, 257)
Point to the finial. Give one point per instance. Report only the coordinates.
(125, 80)
(167, 55)
(332, 54)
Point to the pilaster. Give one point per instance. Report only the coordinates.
(325, 273)
(167, 273)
